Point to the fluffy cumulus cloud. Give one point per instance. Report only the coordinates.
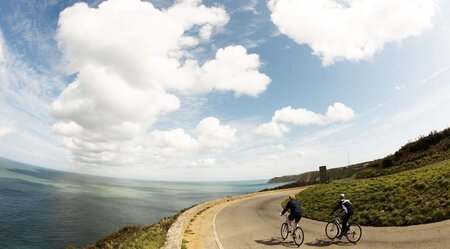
(351, 29)
(299, 116)
(337, 112)
(272, 129)
(175, 139)
(130, 73)
(210, 134)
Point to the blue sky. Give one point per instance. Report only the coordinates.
(219, 90)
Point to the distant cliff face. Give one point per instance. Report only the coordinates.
(314, 176)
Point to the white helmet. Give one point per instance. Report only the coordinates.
(342, 196)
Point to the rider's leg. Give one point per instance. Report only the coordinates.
(345, 219)
(290, 219)
(297, 220)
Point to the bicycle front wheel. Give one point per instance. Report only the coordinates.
(284, 230)
(298, 236)
(332, 230)
(354, 232)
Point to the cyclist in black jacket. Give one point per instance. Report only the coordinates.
(295, 208)
(347, 206)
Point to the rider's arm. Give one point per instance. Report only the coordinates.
(288, 205)
(336, 208)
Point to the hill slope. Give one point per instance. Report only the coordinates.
(434, 147)
(313, 176)
(407, 198)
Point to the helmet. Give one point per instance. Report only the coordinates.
(342, 196)
(292, 197)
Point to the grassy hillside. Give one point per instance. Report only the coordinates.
(149, 237)
(434, 147)
(314, 176)
(407, 198)
(426, 150)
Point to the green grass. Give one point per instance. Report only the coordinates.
(407, 198)
(432, 148)
(148, 237)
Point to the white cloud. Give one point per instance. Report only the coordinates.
(350, 29)
(339, 112)
(128, 75)
(203, 162)
(250, 6)
(335, 113)
(299, 116)
(2, 56)
(2, 59)
(175, 138)
(25, 94)
(399, 87)
(235, 70)
(5, 131)
(211, 134)
(272, 129)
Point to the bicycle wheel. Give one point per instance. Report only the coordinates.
(332, 230)
(354, 232)
(298, 236)
(284, 230)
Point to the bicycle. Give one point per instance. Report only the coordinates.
(333, 228)
(297, 232)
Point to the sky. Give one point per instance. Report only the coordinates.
(219, 90)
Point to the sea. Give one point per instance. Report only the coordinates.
(48, 209)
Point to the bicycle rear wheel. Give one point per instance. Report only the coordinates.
(298, 236)
(284, 230)
(354, 232)
(332, 230)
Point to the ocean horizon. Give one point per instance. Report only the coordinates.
(48, 209)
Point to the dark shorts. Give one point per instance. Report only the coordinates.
(295, 217)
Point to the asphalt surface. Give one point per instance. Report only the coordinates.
(255, 223)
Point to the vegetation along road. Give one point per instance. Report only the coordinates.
(255, 223)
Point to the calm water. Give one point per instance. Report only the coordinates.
(48, 209)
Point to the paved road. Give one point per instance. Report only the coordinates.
(255, 223)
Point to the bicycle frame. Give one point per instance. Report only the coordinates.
(338, 223)
(289, 221)
(296, 232)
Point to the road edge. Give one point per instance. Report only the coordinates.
(174, 238)
(216, 236)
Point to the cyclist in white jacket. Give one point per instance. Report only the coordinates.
(347, 206)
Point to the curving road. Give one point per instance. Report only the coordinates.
(255, 223)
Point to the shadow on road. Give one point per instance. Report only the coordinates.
(276, 241)
(323, 242)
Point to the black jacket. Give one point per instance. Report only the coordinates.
(294, 206)
(346, 205)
